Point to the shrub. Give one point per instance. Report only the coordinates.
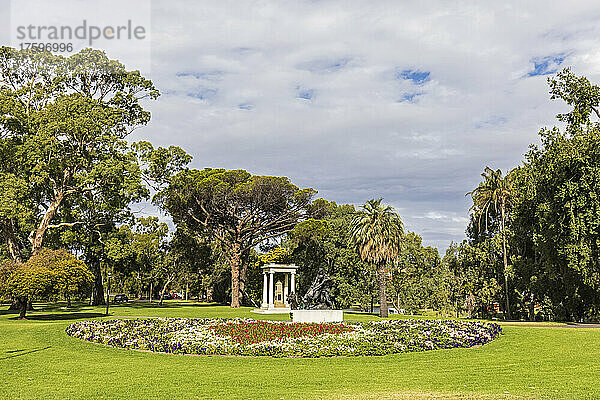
(45, 274)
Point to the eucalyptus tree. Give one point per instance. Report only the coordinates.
(235, 208)
(64, 121)
(64, 159)
(377, 232)
(494, 192)
(417, 281)
(476, 283)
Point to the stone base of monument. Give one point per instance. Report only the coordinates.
(275, 310)
(317, 315)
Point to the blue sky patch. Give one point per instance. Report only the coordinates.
(494, 120)
(410, 97)
(418, 77)
(546, 65)
(306, 94)
(203, 94)
(208, 76)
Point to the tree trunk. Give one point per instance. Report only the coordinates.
(15, 305)
(97, 298)
(68, 300)
(381, 280)
(22, 302)
(245, 259)
(505, 259)
(162, 293)
(532, 307)
(140, 286)
(235, 261)
(38, 236)
(12, 243)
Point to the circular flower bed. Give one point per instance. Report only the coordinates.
(284, 339)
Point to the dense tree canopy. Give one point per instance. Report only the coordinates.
(64, 121)
(66, 168)
(237, 209)
(551, 216)
(324, 244)
(495, 194)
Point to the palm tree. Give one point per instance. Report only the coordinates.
(377, 231)
(495, 191)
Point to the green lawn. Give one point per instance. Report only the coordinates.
(38, 360)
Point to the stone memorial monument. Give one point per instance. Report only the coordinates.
(276, 294)
(317, 304)
(279, 295)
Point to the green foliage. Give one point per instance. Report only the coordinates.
(577, 92)
(556, 231)
(67, 173)
(495, 192)
(325, 244)
(30, 282)
(160, 164)
(476, 271)
(376, 232)
(557, 218)
(138, 254)
(542, 227)
(419, 281)
(234, 205)
(194, 258)
(238, 210)
(48, 273)
(6, 270)
(277, 255)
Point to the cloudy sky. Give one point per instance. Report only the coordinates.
(408, 101)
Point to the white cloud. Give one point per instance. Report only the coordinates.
(233, 76)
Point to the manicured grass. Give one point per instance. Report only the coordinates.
(39, 360)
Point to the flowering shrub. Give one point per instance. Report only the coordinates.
(284, 339)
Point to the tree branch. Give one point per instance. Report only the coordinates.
(64, 224)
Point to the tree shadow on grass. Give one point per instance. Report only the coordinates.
(361, 313)
(59, 311)
(48, 308)
(166, 304)
(22, 352)
(60, 306)
(62, 316)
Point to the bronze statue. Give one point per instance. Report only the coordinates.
(317, 297)
(292, 301)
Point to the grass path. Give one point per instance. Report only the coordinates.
(39, 360)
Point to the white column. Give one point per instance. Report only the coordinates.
(271, 292)
(286, 289)
(293, 286)
(265, 290)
